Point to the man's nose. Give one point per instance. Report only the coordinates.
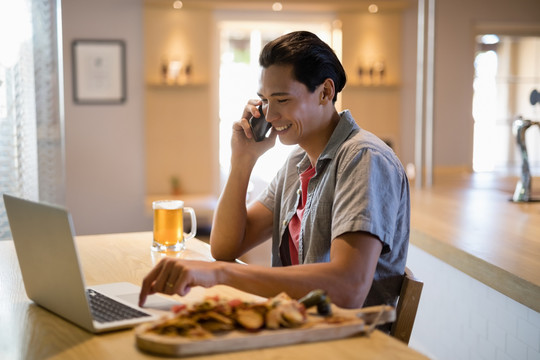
(271, 114)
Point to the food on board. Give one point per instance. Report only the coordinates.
(205, 319)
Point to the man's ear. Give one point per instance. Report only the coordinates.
(328, 91)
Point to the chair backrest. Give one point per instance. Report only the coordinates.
(407, 306)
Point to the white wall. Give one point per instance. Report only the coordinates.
(460, 318)
(105, 143)
(408, 86)
(368, 38)
(178, 119)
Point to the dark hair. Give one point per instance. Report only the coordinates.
(312, 59)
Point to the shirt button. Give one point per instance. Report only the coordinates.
(284, 222)
(299, 191)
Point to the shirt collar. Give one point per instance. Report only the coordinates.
(345, 127)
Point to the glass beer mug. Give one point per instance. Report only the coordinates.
(169, 225)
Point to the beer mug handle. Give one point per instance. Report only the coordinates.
(193, 231)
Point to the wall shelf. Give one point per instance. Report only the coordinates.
(358, 86)
(159, 85)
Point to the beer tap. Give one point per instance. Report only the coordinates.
(535, 97)
(522, 192)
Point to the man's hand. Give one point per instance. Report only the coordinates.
(243, 145)
(177, 276)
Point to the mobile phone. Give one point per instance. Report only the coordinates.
(259, 126)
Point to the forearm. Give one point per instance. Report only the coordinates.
(347, 277)
(230, 216)
(345, 290)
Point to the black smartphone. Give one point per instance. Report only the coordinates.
(259, 126)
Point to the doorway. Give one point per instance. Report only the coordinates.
(507, 70)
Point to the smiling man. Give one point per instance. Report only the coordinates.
(338, 210)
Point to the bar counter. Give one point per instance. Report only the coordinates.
(469, 222)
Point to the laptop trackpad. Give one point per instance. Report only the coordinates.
(129, 293)
(156, 302)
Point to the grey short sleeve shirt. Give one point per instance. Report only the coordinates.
(359, 185)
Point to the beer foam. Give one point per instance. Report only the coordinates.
(168, 204)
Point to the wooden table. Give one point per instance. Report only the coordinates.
(468, 221)
(29, 332)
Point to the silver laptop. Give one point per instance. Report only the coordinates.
(43, 238)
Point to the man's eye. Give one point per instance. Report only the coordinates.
(281, 101)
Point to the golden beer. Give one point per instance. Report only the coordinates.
(169, 225)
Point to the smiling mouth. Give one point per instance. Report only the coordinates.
(282, 128)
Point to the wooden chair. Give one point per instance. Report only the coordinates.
(407, 306)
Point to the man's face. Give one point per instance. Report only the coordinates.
(293, 111)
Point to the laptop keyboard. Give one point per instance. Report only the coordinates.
(104, 309)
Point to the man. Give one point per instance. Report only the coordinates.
(338, 210)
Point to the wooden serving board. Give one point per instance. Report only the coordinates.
(316, 329)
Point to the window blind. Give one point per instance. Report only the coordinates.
(31, 136)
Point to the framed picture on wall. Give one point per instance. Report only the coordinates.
(99, 71)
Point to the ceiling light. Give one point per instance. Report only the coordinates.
(489, 39)
(373, 8)
(177, 4)
(277, 6)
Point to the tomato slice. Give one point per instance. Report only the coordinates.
(235, 302)
(177, 308)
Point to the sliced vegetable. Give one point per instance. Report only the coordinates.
(320, 299)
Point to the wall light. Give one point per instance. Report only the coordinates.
(277, 6)
(178, 4)
(373, 8)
